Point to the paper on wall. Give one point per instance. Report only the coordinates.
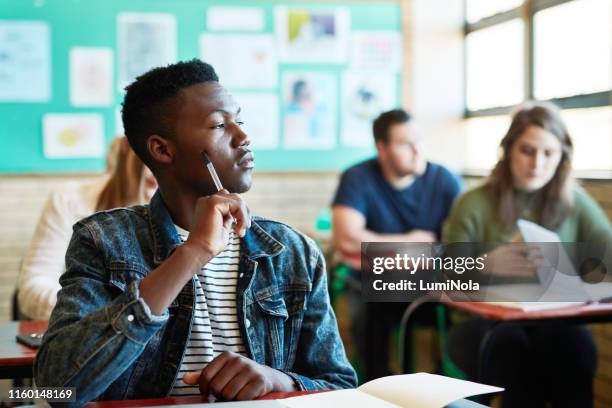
(91, 76)
(312, 35)
(234, 19)
(376, 50)
(309, 110)
(365, 95)
(144, 41)
(73, 135)
(259, 111)
(25, 61)
(253, 63)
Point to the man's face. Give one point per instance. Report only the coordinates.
(208, 121)
(402, 152)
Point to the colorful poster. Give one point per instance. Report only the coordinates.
(365, 95)
(73, 135)
(235, 19)
(376, 50)
(309, 110)
(91, 76)
(253, 63)
(144, 41)
(318, 35)
(259, 112)
(25, 61)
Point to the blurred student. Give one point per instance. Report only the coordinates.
(397, 196)
(552, 363)
(129, 182)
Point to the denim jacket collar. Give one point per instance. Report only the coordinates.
(257, 242)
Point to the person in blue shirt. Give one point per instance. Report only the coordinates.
(397, 196)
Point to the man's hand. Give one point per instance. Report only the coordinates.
(233, 377)
(214, 217)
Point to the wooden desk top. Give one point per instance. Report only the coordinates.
(183, 400)
(496, 312)
(13, 353)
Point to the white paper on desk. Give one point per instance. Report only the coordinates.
(91, 76)
(421, 390)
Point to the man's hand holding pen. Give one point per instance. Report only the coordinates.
(214, 218)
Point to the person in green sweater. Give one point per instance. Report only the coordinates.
(552, 363)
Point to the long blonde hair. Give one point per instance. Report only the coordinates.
(124, 187)
(554, 199)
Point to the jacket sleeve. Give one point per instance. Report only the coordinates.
(321, 359)
(94, 334)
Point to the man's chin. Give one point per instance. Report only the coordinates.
(242, 186)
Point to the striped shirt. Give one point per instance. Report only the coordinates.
(215, 322)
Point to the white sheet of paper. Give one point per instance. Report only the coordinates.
(260, 113)
(235, 19)
(144, 41)
(91, 76)
(365, 95)
(73, 135)
(557, 273)
(376, 50)
(312, 35)
(25, 61)
(253, 63)
(423, 390)
(337, 399)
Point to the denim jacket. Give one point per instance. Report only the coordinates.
(104, 341)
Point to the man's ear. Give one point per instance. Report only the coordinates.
(381, 148)
(160, 149)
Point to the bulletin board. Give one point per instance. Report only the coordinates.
(309, 77)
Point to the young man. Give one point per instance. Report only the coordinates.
(398, 196)
(190, 294)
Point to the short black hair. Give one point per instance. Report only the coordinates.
(384, 121)
(148, 103)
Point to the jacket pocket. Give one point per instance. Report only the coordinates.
(274, 306)
(279, 314)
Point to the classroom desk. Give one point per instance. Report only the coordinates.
(183, 400)
(507, 318)
(16, 360)
(463, 403)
